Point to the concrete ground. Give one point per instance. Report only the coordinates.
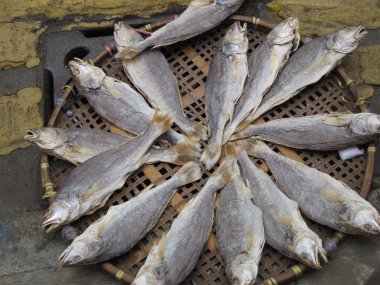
(28, 256)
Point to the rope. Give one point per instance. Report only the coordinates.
(44, 165)
(297, 271)
(255, 21)
(148, 27)
(49, 190)
(271, 281)
(364, 99)
(371, 149)
(119, 275)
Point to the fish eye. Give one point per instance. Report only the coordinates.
(367, 228)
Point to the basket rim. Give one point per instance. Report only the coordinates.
(294, 272)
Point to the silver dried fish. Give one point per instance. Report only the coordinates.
(320, 197)
(115, 100)
(285, 230)
(199, 17)
(126, 224)
(150, 73)
(89, 185)
(79, 145)
(173, 258)
(240, 231)
(264, 64)
(225, 83)
(307, 65)
(319, 132)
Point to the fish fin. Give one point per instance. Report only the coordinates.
(211, 155)
(188, 204)
(334, 120)
(162, 121)
(227, 170)
(250, 241)
(162, 246)
(191, 172)
(256, 148)
(130, 52)
(199, 3)
(197, 132)
(281, 219)
(147, 188)
(185, 153)
(331, 195)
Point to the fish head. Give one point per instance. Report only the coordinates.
(242, 270)
(235, 41)
(60, 212)
(45, 138)
(361, 218)
(366, 124)
(147, 277)
(307, 249)
(347, 39)
(85, 75)
(125, 36)
(81, 250)
(285, 32)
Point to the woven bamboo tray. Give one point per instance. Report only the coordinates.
(190, 62)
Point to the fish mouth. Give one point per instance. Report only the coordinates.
(51, 222)
(293, 22)
(373, 228)
(75, 62)
(31, 136)
(68, 258)
(361, 33)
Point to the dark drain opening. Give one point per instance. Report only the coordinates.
(79, 52)
(97, 33)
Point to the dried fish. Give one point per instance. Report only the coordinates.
(126, 224)
(173, 258)
(89, 186)
(150, 73)
(264, 64)
(319, 132)
(307, 65)
(199, 17)
(320, 197)
(285, 230)
(240, 231)
(115, 100)
(79, 145)
(225, 83)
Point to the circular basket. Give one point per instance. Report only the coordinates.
(190, 62)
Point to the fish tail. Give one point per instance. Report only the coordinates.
(161, 121)
(190, 172)
(211, 155)
(257, 148)
(185, 153)
(228, 132)
(197, 131)
(227, 169)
